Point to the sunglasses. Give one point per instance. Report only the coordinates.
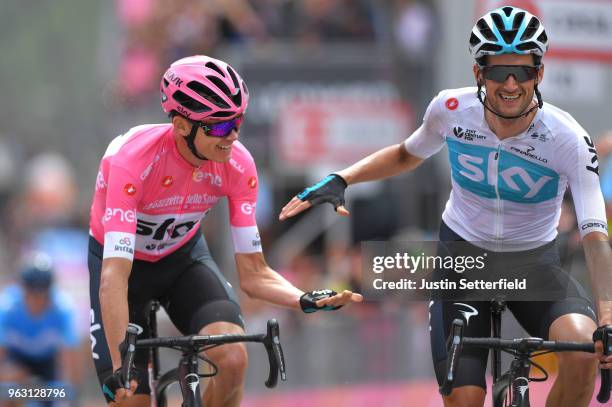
(499, 73)
(221, 129)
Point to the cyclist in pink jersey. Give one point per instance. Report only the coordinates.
(154, 185)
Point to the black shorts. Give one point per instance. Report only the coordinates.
(187, 283)
(43, 369)
(535, 317)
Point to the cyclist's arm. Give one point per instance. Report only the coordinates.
(599, 263)
(579, 160)
(259, 281)
(393, 160)
(114, 303)
(384, 163)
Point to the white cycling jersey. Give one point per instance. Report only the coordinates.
(506, 195)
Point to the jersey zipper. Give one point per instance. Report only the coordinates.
(498, 201)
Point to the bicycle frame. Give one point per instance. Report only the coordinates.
(518, 375)
(191, 346)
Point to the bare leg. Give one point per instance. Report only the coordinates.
(226, 388)
(577, 370)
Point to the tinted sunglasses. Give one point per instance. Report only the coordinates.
(221, 129)
(499, 73)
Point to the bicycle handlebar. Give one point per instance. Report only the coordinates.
(456, 341)
(271, 342)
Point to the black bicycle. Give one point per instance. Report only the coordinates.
(187, 373)
(512, 388)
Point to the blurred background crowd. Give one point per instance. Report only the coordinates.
(331, 81)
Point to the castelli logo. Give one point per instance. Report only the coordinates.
(252, 182)
(129, 189)
(167, 181)
(452, 103)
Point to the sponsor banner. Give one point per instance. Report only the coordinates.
(462, 271)
(578, 30)
(338, 133)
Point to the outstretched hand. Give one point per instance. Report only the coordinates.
(329, 190)
(340, 299)
(296, 206)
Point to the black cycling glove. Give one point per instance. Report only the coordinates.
(308, 301)
(329, 189)
(115, 382)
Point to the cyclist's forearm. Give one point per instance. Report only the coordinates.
(259, 281)
(599, 263)
(114, 306)
(275, 289)
(384, 163)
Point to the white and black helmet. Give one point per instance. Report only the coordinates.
(508, 30)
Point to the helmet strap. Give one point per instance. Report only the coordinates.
(191, 142)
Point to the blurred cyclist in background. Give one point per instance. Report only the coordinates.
(512, 157)
(37, 332)
(155, 184)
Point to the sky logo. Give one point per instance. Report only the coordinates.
(477, 169)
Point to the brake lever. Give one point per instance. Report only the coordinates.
(454, 346)
(276, 358)
(604, 334)
(131, 335)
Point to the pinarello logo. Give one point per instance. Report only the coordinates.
(252, 182)
(125, 241)
(452, 103)
(129, 189)
(167, 181)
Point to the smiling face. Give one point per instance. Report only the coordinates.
(218, 149)
(511, 97)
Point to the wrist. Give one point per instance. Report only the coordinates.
(343, 176)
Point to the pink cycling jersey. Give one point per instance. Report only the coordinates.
(149, 200)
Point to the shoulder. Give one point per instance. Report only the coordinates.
(135, 145)
(563, 127)
(241, 162)
(451, 102)
(456, 100)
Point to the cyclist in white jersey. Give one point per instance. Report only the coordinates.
(512, 157)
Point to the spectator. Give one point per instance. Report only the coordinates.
(37, 333)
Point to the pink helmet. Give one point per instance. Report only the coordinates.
(200, 87)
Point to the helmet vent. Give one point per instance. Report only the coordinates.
(543, 38)
(233, 75)
(166, 83)
(507, 10)
(491, 47)
(244, 86)
(518, 20)
(215, 68)
(189, 103)
(208, 93)
(531, 29)
(485, 30)
(223, 114)
(219, 83)
(474, 40)
(528, 46)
